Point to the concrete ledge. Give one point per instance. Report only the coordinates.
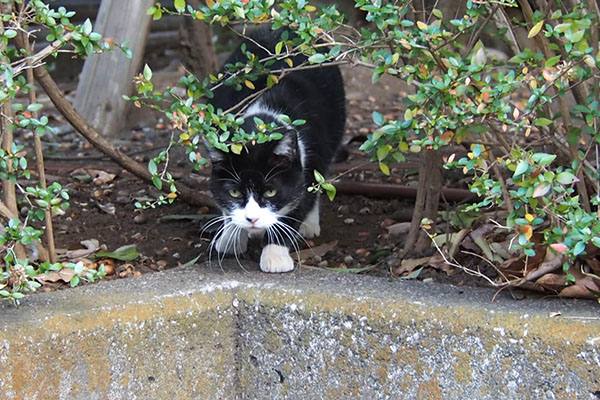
(196, 333)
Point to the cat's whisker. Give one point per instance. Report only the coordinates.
(285, 235)
(230, 226)
(294, 231)
(213, 243)
(234, 176)
(238, 236)
(268, 174)
(212, 222)
(290, 233)
(235, 181)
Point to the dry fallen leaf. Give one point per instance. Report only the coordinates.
(438, 262)
(582, 289)
(398, 229)
(91, 246)
(408, 265)
(320, 251)
(64, 275)
(108, 208)
(100, 177)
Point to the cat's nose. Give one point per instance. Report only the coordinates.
(251, 220)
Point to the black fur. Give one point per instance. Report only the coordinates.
(315, 95)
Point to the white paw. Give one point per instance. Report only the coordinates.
(310, 231)
(275, 258)
(311, 228)
(232, 241)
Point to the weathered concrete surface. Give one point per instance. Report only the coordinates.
(198, 333)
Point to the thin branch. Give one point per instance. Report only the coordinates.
(68, 111)
(39, 155)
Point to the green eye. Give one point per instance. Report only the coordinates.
(271, 193)
(236, 194)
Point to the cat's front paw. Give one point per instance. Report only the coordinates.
(310, 227)
(310, 231)
(275, 258)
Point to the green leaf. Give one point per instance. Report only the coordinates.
(124, 253)
(157, 182)
(95, 36)
(552, 61)
(34, 107)
(74, 281)
(317, 58)
(383, 151)
(191, 262)
(579, 248)
(413, 275)
(384, 168)
(87, 26)
(236, 148)
(180, 5)
(565, 178)
(541, 190)
(536, 29)
(522, 167)
(10, 33)
(377, 118)
(147, 72)
(542, 122)
(152, 168)
(330, 190)
(543, 159)
(318, 177)
(278, 47)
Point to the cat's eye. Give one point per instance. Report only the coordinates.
(270, 192)
(236, 194)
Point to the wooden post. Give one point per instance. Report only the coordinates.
(107, 77)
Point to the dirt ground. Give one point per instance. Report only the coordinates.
(360, 233)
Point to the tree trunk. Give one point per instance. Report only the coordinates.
(197, 47)
(107, 77)
(428, 198)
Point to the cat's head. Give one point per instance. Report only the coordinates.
(261, 184)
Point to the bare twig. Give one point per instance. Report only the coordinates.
(39, 156)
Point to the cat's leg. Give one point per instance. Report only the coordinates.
(276, 258)
(231, 240)
(310, 227)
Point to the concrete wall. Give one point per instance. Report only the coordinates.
(198, 333)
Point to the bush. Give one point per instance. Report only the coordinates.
(528, 123)
(24, 207)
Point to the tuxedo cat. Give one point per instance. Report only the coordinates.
(263, 190)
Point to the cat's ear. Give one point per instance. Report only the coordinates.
(215, 155)
(287, 146)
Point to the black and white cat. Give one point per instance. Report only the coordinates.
(263, 191)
